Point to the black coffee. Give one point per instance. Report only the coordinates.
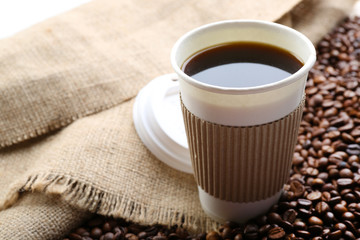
(241, 64)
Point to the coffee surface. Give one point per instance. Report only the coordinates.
(241, 64)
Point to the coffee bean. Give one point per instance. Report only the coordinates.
(349, 197)
(238, 236)
(304, 213)
(110, 236)
(325, 196)
(298, 188)
(322, 207)
(317, 238)
(314, 196)
(96, 232)
(346, 173)
(335, 235)
(335, 193)
(303, 233)
(304, 203)
(274, 218)
(82, 232)
(276, 233)
(349, 235)
(339, 209)
(174, 236)
(347, 137)
(74, 236)
(345, 182)
(297, 160)
(315, 230)
(349, 126)
(315, 221)
(335, 200)
(350, 226)
(340, 226)
(333, 173)
(290, 215)
(157, 238)
(355, 132)
(329, 217)
(142, 235)
(264, 229)
(299, 225)
(106, 227)
(348, 216)
(132, 236)
(353, 149)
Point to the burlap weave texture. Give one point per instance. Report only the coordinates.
(67, 88)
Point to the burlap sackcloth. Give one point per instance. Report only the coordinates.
(67, 87)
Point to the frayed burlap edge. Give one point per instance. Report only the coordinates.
(85, 197)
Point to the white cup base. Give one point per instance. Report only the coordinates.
(222, 210)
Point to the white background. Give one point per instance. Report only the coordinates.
(16, 15)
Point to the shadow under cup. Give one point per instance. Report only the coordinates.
(241, 140)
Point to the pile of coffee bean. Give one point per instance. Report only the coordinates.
(322, 197)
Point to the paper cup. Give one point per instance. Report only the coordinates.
(241, 140)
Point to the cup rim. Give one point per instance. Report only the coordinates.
(242, 90)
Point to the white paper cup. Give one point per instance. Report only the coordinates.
(241, 140)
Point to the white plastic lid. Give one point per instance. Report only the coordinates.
(159, 123)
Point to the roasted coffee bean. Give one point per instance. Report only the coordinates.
(303, 233)
(74, 236)
(264, 229)
(335, 235)
(315, 230)
(82, 232)
(299, 225)
(349, 198)
(96, 232)
(298, 188)
(213, 236)
(348, 216)
(317, 238)
(349, 235)
(157, 237)
(290, 215)
(353, 149)
(110, 236)
(340, 226)
(335, 200)
(321, 208)
(276, 233)
(325, 196)
(333, 173)
(314, 196)
(238, 236)
(339, 209)
(346, 173)
(345, 182)
(304, 203)
(304, 213)
(173, 236)
(274, 218)
(315, 221)
(350, 226)
(106, 227)
(328, 217)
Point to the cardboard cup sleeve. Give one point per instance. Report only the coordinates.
(242, 164)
